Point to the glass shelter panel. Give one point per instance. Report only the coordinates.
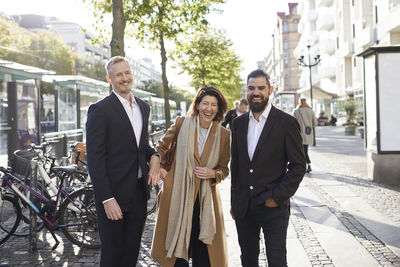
(4, 126)
(47, 114)
(89, 95)
(67, 117)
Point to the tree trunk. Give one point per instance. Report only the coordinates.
(118, 29)
(165, 82)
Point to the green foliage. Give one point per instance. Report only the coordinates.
(210, 60)
(153, 87)
(350, 108)
(152, 22)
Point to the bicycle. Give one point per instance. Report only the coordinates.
(47, 185)
(75, 216)
(78, 157)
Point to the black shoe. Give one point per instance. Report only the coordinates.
(308, 168)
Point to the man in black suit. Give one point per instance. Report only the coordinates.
(240, 109)
(118, 153)
(267, 166)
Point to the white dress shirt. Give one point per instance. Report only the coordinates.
(255, 129)
(135, 117)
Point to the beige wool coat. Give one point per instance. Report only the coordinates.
(218, 249)
(306, 117)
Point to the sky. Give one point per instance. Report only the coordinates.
(249, 25)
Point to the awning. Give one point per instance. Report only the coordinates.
(317, 92)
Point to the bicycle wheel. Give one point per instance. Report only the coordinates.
(23, 227)
(79, 219)
(10, 215)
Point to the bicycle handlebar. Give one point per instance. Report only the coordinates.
(4, 170)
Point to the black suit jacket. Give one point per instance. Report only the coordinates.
(278, 164)
(113, 156)
(229, 117)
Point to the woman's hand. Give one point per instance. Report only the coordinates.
(163, 173)
(204, 172)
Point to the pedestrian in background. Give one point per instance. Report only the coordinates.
(307, 120)
(239, 109)
(118, 153)
(190, 221)
(267, 167)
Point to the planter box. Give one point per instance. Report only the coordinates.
(350, 130)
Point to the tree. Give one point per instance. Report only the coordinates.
(51, 53)
(210, 60)
(154, 22)
(43, 49)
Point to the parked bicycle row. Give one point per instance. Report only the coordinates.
(61, 196)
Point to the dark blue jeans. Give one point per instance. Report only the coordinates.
(274, 223)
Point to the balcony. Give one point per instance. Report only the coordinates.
(345, 50)
(312, 15)
(364, 38)
(327, 71)
(323, 3)
(326, 20)
(328, 46)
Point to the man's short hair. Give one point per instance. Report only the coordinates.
(113, 61)
(244, 101)
(259, 73)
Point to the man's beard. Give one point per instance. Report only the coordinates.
(258, 107)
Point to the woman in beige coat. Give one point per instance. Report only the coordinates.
(190, 221)
(306, 118)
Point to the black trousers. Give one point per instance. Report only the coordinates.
(274, 223)
(200, 257)
(120, 240)
(306, 153)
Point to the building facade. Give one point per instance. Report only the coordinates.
(317, 28)
(361, 24)
(280, 63)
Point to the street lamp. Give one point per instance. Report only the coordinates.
(310, 64)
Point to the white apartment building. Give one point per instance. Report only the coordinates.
(317, 28)
(359, 25)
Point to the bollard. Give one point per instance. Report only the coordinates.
(32, 214)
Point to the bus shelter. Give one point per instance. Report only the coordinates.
(19, 106)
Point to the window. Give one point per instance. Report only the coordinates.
(296, 24)
(285, 26)
(337, 42)
(354, 31)
(285, 44)
(376, 14)
(286, 60)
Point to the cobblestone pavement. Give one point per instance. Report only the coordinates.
(15, 251)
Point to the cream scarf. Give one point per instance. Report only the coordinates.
(182, 197)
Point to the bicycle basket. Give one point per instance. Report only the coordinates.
(21, 162)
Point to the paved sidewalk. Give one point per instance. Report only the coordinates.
(338, 218)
